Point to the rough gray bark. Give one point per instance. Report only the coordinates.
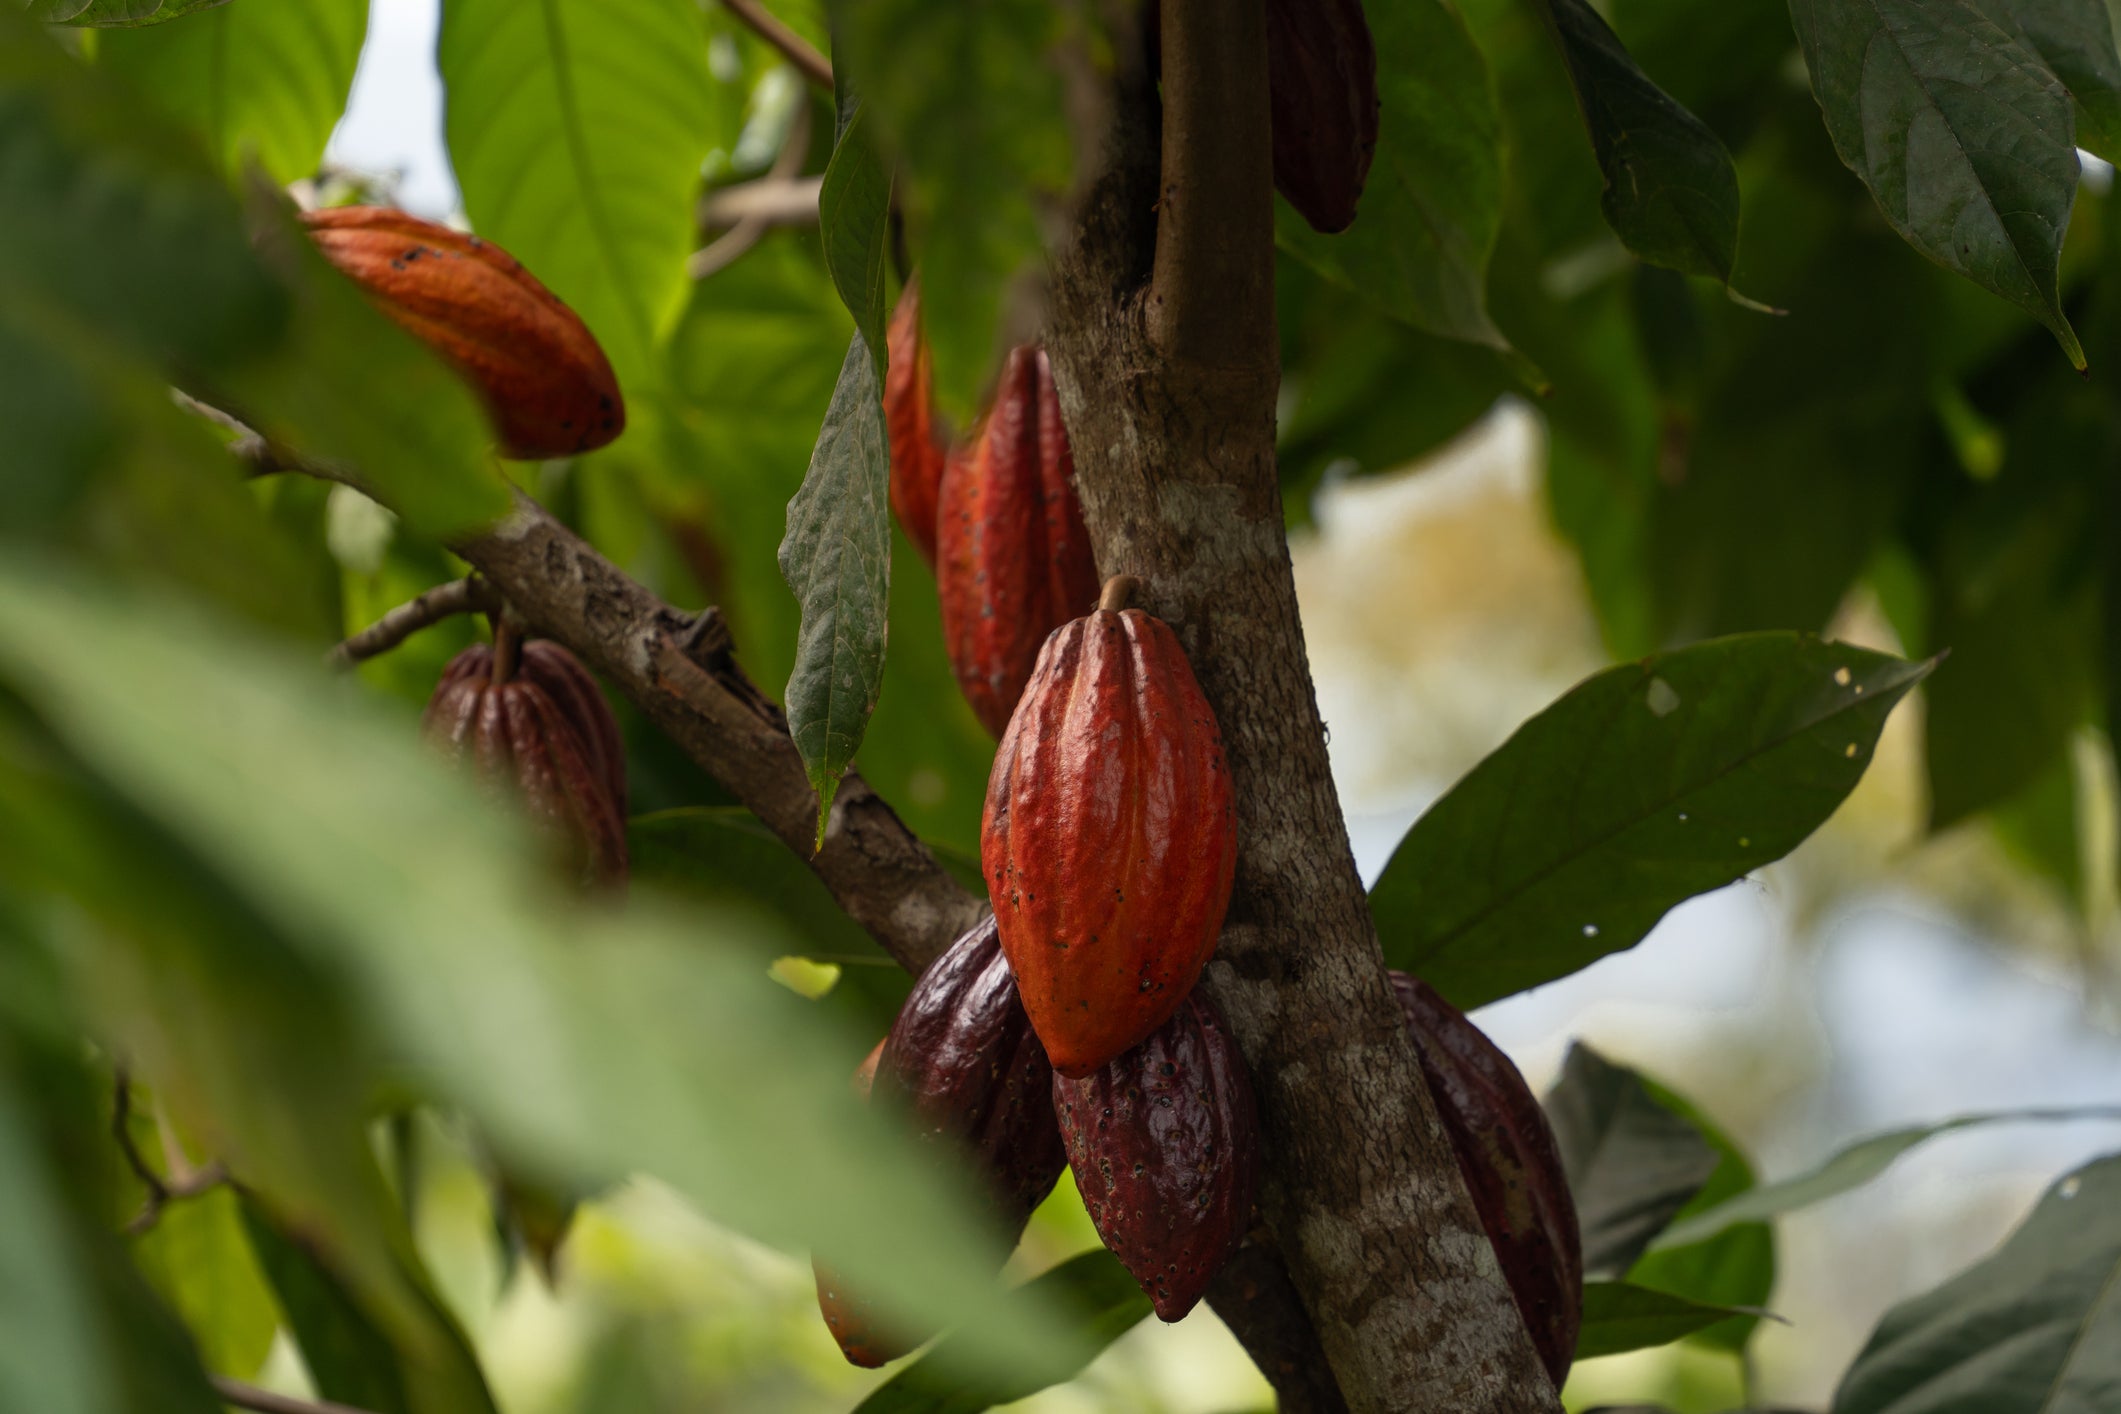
(1164, 351)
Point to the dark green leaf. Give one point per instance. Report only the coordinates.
(1961, 133)
(854, 221)
(261, 83)
(1735, 1267)
(116, 13)
(837, 560)
(1632, 1163)
(2041, 828)
(2076, 38)
(1618, 1318)
(2032, 1329)
(1644, 786)
(1419, 248)
(1100, 1299)
(349, 1359)
(1671, 193)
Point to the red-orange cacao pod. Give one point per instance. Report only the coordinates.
(918, 447)
(1511, 1165)
(546, 730)
(1322, 97)
(540, 372)
(1110, 838)
(1013, 557)
(1164, 1142)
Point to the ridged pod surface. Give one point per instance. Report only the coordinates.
(918, 448)
(1164, 1142)
(1013, 557)
(1110, 838)
(542, 375)
(1322, 93)
(547, 731)
(1511, 1164)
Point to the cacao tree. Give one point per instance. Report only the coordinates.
(615, 475)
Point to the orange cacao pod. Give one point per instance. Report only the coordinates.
(917, 444)
(1164, 1142)
(1322, 96)
(539, 370)
(1110, 840)
(1014, 559)
(545, 729)
(1511, 1165)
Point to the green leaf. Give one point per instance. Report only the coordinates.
(1961, 133)
(2042, 828)
(1419, 248)
(1618, 1318)
(837, 560)
(1851, 1168)
(1100, 1300)
(260, 83)
(116, 13)
(1733, 1268)
(198, 1259)
(854, 222)
(971, 99)
(1632, 1163)
(1647, 784)
(1671, 193)
(577, 129)
(2035, 1328)
(2076, 38)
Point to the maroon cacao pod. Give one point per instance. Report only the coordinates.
(1110, 837)
(1511, 1165)
(918, 447)
(1013, 557)
(546, 729)
(1164, 1142)
(1322, 95)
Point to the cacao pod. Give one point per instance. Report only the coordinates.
(1013, 557)
(1322, 98)
(1164, 1142)
(543, 377)
(545, 728)
(1511, 1165)
(917, 444)
(1110, 839)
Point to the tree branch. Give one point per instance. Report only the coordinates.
(794, 48)
(470, 595)
(161, 1192)
(774, 201)
(244, 1396)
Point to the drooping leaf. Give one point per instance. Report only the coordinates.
(1961, 133)
(1618, 1318)
(261, 83)
(1420, 244)
(1671, 193)
(2034, 1328)
(1647, 784)
(1632, 1163)
(199, 1260)
(837, 560)
(854, 222)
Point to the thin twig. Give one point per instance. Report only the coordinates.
(794, 48)
(777, 202)
(751, 228)
(161, 1192)
(470, 595)
(244, 1396)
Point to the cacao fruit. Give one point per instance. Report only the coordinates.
(1511, 1165)
(543, 377)
(546, 729)
(1322, 98)
(917, 444)
(1164, 1142)
(1110, 840)
(1013, 557)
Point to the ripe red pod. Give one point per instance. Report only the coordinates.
(918, 447)
(1164, 1142)
(539, 370)
(1511, 1164)
(1110, 839)
(1013, 557)
(1322, 95)
(544, 728)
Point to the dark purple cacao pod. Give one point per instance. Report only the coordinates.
(546, 729)
(1164, 1142)
(1511, 1165)
(1322, 93)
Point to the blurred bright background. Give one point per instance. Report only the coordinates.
(1875, 979)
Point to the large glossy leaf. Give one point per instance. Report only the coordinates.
(1618, 1318)
(1671, 193)
(837, 560)
(1632, 1163)
(1642, 787)
(1961, 133)
(261, 83)
(1420, 245)
(577, 129)
(2034, 1328)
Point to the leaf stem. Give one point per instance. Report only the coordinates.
(470, 595)
(793, 47)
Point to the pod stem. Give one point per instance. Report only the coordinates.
(507, 647)
(1119, 593)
